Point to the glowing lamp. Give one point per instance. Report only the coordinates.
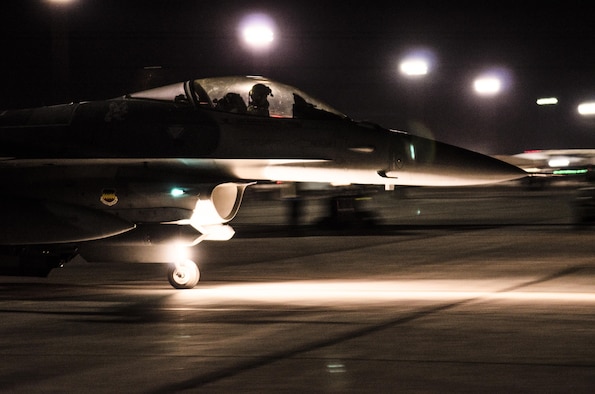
(587, 108)
(547, 101)
(414, 67)
(558, 162)
(257, 31)
(487, 86)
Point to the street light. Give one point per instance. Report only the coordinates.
(492, 82)
(414, 67)
(547, 101)
(487, 86)
(60, 2)
(417, 63)
(587, 108)
(257, 31)
(258, 36)
(58, 10)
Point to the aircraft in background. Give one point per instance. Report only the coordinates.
(169, 167)
(554, 162)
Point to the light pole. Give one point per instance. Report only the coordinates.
(586, 109)
(489, 87)
(417, 63)
(258, 33)
(415, 67)
(60, 51)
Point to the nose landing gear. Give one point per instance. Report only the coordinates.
(183, 274)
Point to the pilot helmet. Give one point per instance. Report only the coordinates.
(260, 91)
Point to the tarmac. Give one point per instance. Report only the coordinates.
(449, 290)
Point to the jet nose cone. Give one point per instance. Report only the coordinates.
(498, 171)
(475, 168)
(432, 163)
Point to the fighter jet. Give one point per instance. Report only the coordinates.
(170, 166)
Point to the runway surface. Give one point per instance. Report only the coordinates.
(500, 300)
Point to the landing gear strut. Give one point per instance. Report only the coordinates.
(183, 275)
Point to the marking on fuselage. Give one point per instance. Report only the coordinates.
(108, 197)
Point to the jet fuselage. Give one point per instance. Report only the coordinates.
(183, 154)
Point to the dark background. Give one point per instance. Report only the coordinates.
(345, 53)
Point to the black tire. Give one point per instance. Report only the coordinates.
(183, 275)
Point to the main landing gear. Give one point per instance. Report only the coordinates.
(183, 274)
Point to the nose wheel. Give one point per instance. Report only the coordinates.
(183, 274)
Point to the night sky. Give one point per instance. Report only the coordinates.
(345, 53)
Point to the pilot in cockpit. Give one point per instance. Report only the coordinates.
(258, 103)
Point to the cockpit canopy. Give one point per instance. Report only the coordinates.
(256, 96)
